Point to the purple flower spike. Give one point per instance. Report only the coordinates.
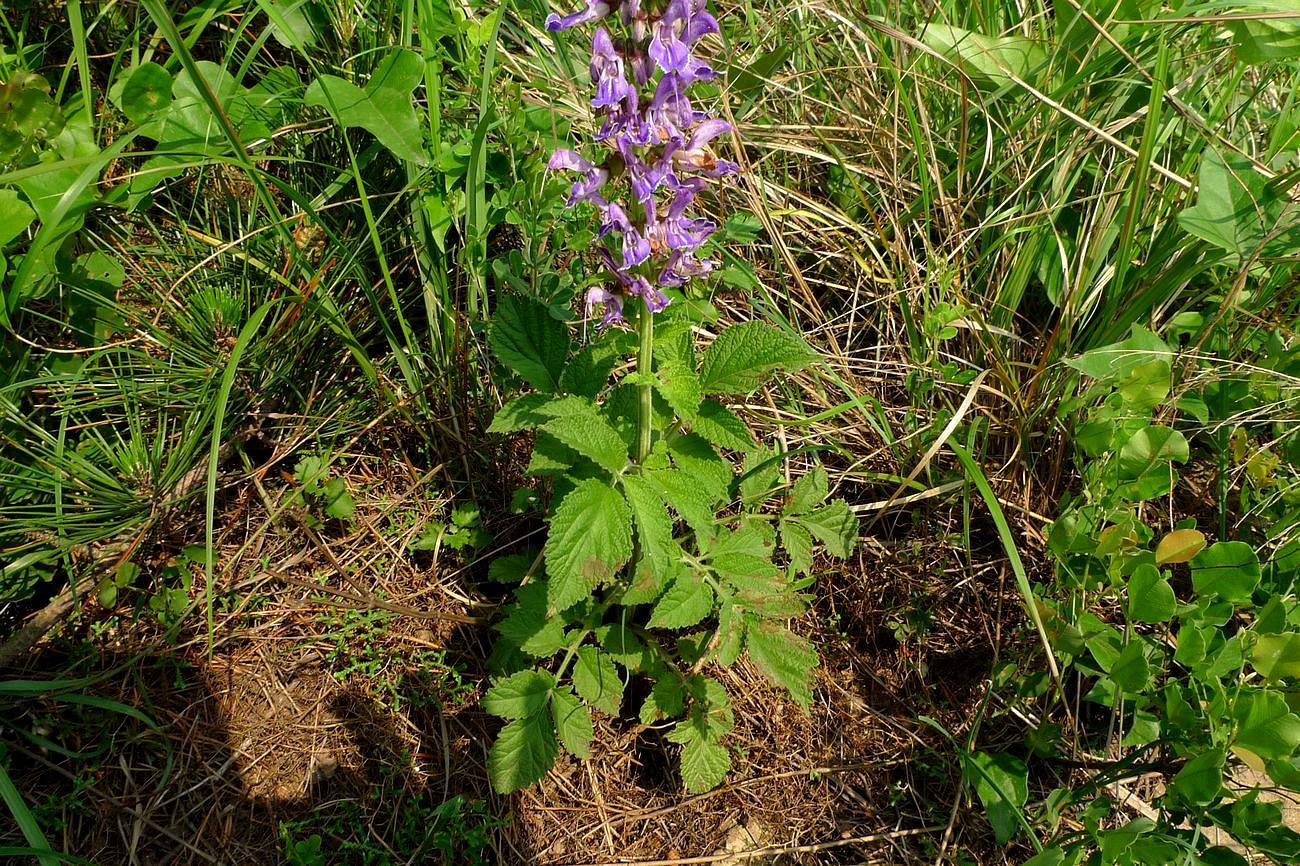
(643, 62)
(595, 9)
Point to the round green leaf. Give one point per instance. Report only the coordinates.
(1150, 597)
(147, 91)
(1228, 569)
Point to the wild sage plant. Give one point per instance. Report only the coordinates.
(660, 562)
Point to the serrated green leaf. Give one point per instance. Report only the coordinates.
(623, 646)
(1227, 569)
(521, 413)
(719, 425)
(527, 339)
(520, 695)
(573, 722)
(527, 625)
(654, 525)
(759, 473)
(747, 571)
(590, 538)
(593, 437)
(834, 525)
(597, 680)
(551, 456)
(683, 495)
(677, 383)
(798, 544)
(1150, 597)
(510, 568)
(696, 458)
(523, 753)
(705, 762)
(667, 698)
(688, 601)
(712, 705)
(743, 356)
(730, 634)
(808, 492)
(588, 373)
(785, 658)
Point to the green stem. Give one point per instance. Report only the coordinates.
(645, 327)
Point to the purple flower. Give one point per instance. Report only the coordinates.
(636, 248)
(645, 179)
(682, 24)
(676, 231)
(587, 188)
(595, 9)
(613, 305)
(694, 155)
(682, 267)
(670, 111)
(634, 284)
(607, 72)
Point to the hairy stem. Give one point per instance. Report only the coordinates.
(645, 328)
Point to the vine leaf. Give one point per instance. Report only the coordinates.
(573, 722)
(686, 602)
(742, 358)
(523, 753)
(530, 341)
(1228, 569)
(784, 658)
(596, 679)
(590, 538)
(1002, 784)
(15, 215)
(383, 108)
(722, 427)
